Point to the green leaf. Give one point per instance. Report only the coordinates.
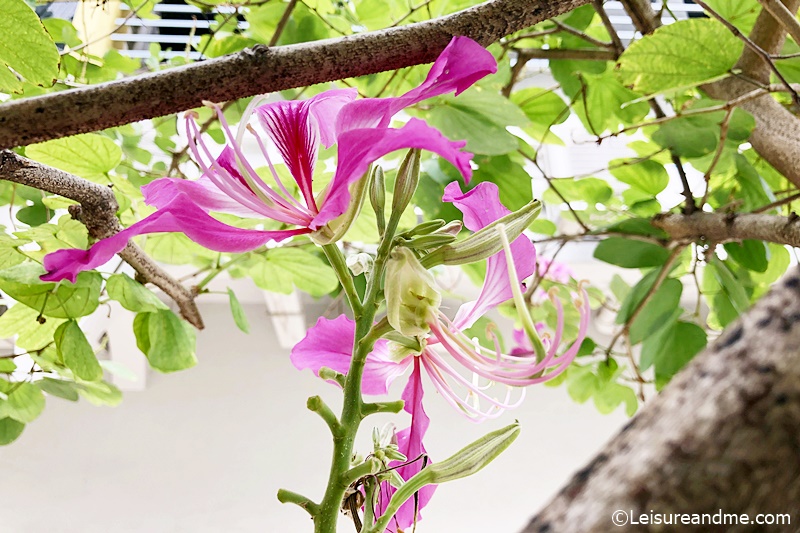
(308, 271)
(26, 48)
(510, 176)
(671, 348)
(59, 387)
(171, 342)
(24, 404)
(581, 383)
(663, 304)
(682, 54)
(76, 352)
(544, 109)
(132, 295)
(608, 104)
(480, 117)
(59, 300)
(239, 316)
(589, 190)
(648, 176)
(90, 156)
(100, 393)
(751, 254)
(637, 226)
(10, 430)
(630, 253)
(22, 321)
(740, 13)
(692, 136)
(731, 286)
(7, 366)
(62, 31)
(610, 395)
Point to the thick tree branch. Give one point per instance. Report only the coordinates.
(776, 136)
(97, 211)
(262, 70)
(785, 17)
(723, 435)
(720, 227)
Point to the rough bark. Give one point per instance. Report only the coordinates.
(723, 435)
(262, 70)
(720, 227)
(97, 211)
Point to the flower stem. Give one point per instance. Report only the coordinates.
(337, 261)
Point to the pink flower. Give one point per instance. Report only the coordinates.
(230, 184)
(470, 384)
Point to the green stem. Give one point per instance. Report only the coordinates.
(287, 496)
(337, 261)
(217, 271)
(353, 404)
(318, 406)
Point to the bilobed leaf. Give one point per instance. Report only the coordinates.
(31, 334)
(132, 295)
(76, 352)
(59, 300)
(308, 272)
(609, 104)
(648, 176)
(544, 109)
(610, 395)
(90, 156)
(582, 383)
(100, 393)
(171, 342)
(10, 430)
(26, 48)
(60, 388)
(24, 404)
(239, 316)
(630, 253)
(682, 54)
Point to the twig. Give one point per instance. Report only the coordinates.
(616, 42)
(723, 136)
(97, 211)
(777, 203)
(578, 54)
(287, 14)
(581, 35)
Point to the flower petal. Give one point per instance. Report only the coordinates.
(459, 65)
(180, 215)
(325, 107)
(360, 148)
(203, 193)
(409, 442)
(297, 138)
(330, 344)
(481, 206)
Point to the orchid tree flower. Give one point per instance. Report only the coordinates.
(463, 372)
(230, 184)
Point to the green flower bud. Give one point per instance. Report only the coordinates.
(406, 182)
(411, 296)
(475, 456)
(377, 196)
(360, 263)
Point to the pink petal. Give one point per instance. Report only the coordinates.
(297, 138)
(360, 148)
(180, 215)
(325, 107)
(481, 206)
(459, 65)
(409, 442)
(330, 343)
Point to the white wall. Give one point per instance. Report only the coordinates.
(205, 450)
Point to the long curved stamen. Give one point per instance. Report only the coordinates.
(230, 186)
(519, 300)
(262, 190)
(289, 197)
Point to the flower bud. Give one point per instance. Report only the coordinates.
(377, 196)
(475, 456)
(411, 296)
(406, 182)
(360, 263)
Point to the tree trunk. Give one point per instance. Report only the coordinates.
(724, 435)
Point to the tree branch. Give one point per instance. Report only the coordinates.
(776, 136)
(580, 54)
(721, 436)
(784, 17)
(262, 70)
(97, 211)
(720, 227)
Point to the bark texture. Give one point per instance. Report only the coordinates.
(720, 228)
(97, 211)
(262, 70)
(724, 435)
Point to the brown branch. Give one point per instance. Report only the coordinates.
(641, 13)
(784, 17)
(287, 14)
(720, 228)
(578, 54)
(616, 42)
(776, 136)
(97, 211)
(262, 70)
(721, 436)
